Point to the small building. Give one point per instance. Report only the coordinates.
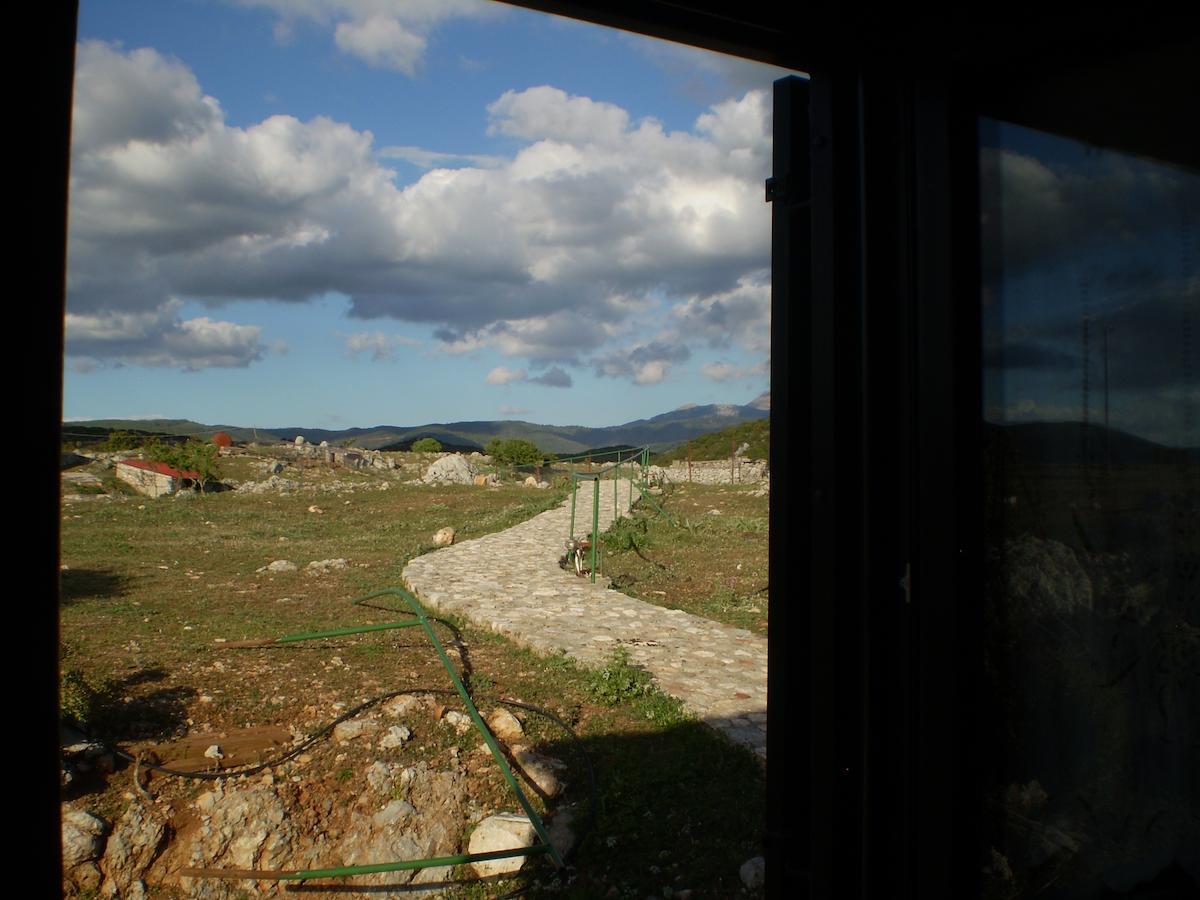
(154, 479)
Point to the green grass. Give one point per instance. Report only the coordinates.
(711, 565)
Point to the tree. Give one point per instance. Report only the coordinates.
(195, 456)
(514, 452)
(427, 445)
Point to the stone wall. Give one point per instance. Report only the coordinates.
(152, 484)
(714, 471)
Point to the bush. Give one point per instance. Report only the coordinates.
(514, 452)
(120, 441)
(427, 445)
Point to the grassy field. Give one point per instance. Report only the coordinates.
(153, 591)
(707, 556)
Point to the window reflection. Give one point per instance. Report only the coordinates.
(1091, 307)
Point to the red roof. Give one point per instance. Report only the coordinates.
(161, 468)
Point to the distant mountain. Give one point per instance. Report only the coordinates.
(660, 432)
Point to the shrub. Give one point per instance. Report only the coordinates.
(514, 452)
(427, 445)
(193, 455)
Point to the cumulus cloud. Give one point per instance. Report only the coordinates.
(552, 377)
(160, 337)
(385, 34)
(644, 364)
(382, 347)
(727, 371)
(550, 255)
(740, 316)
(501, 375)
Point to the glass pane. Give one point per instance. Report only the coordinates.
(1091, 308)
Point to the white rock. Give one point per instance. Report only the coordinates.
(349, 730)
(214, 752)
(531, 481)
(82, 836)
(402, 705)
(505, 726)
(444, 537)
(450, 469)
(395, 737)
(541, 771)
(321, 566)
(279, 565)
(753, 872)
(504, 831)
(300, 440)
(461, 722)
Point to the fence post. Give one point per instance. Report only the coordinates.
(732, 452)
(574, 494)
(689, 462)
(595, 524)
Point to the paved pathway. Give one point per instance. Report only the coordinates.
(511, 582)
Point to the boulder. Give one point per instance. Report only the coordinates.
(753, 872)
(450, 469)
(135, 842)
(504, 831)
(505, 726)
(444, 537)
(82, 837)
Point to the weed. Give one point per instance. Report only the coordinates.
(625, 534)
(344, 774)
(619, 680)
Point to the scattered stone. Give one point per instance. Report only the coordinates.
(275, 468)
(214, 752)
(541, 771)
(349, 730)
(504, 831)
(531, 481)
(558, 829)
(505, 726)
(316, 509)
(444, 537)
(322, 566)
(300, 440)
(480, 480)
(753, 872)
(461, 722)
(395, 737)
(279, 565)
(402, 705)
(1045, 577)
(379, 776)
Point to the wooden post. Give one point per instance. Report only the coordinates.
(689, 462)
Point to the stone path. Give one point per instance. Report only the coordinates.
(511, 582)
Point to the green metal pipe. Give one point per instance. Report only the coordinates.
(574, 494)
(595, 525)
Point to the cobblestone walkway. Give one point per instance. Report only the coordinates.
(512, 583)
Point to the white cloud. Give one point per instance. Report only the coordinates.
(644, 364)
(385, 34)
(159, 337)
(512, 410)
(501, 375)
(551, 255)
(726, 371)
(382, 347)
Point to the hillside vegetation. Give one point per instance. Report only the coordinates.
(716, 445)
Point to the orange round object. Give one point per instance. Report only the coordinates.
(222, 439)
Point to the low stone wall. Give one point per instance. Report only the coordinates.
(714, 471)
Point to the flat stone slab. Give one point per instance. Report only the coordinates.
(512, 583)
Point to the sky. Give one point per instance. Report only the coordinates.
(1075, 234)
(337, 213)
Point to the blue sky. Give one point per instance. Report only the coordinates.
(335, 213)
